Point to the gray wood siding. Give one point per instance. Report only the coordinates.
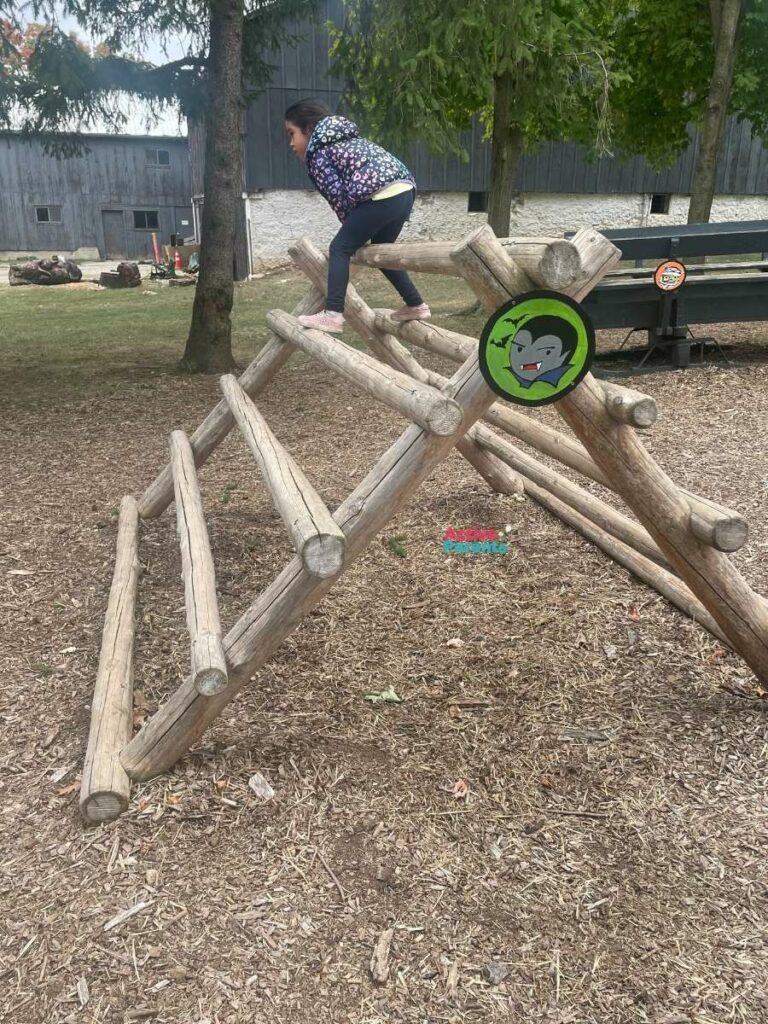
(302, 71)
(113, 175)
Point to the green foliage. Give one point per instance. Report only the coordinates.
(665, 53)
(59, 85)
(421, 69)
(396, 546)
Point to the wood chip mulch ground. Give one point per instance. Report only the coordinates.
(563, 821)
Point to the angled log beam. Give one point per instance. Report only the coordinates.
(419, 402)
(218, 423)
(589, 505)
(105, 787)
(667, 584)
(258, 633)
(209, 667)
(317, 539)
(740, 613)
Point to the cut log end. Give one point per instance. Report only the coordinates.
(323, 556)
(628, 406)
(105, 805)
(444, 418)
(210, 681)
(209, 666)
(725, 533)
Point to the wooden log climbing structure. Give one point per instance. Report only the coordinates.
(678, 543)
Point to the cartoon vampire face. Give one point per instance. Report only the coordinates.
(541, 349)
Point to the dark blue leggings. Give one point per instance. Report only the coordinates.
(376, 220)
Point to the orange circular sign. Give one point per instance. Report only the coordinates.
(669, 275)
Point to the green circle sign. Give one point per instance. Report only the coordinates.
(536, 348)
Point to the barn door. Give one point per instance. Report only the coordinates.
(115, 242)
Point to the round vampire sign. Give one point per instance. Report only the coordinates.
(536, 348)
(669, 275)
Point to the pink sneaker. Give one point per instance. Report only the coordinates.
(421, 312)
(332, 323)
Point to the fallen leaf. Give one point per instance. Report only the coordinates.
(460, 790)
(387, 696)
(633, 613)
(66, 790)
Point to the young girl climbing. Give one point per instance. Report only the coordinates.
(370, 190)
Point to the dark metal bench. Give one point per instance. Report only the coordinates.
(712, 293)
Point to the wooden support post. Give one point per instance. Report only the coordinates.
(218, 423)
(105, 787)
(668, 585)
(594, 508)
(628, 406)
(317, 539)
(741, 614)
(258, 633)
(209, 666)
(419, 402)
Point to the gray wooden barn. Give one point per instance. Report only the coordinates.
(103, 204)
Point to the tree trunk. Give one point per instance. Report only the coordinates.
(506, 147)
(209, 345)
(726, 15)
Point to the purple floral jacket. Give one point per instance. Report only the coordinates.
(346, 169)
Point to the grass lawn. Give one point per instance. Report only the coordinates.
(68, 330)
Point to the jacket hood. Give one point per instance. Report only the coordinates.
(331, 129)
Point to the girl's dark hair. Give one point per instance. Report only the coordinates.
(306, 113)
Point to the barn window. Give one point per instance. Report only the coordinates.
(159, 157)
(660, 202)
(146, 220)
(477, 202)
(48, 214)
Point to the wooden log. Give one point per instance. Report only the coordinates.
(548, 262)
(390, 351)
(606, 517)
(668, 585)
(105, 787)
(713, 524)
(258, 633)
(317, 539)
(490, 269)
(209, 666)
(218, 423)
(740, 613)
(628, 406)
(423, 404)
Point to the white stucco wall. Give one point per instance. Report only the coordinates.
(278, 217)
